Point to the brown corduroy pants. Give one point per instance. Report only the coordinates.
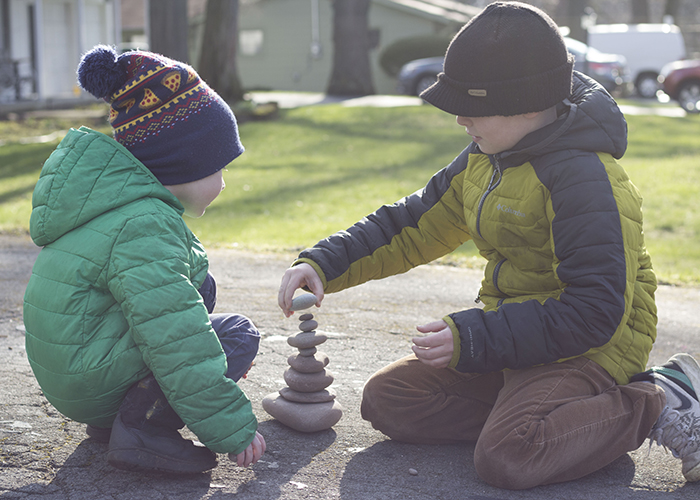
(536, 426)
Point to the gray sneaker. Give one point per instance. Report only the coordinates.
(678, 426)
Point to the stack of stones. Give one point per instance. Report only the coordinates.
(307, 404)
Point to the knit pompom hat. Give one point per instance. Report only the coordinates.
(163, 113)
(510, 59)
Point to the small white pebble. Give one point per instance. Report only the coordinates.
(413, 472)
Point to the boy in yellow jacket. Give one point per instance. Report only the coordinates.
(541, 376)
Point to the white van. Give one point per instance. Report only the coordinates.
(647, 48)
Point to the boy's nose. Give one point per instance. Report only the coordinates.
(464, 121)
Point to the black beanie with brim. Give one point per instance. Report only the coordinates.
(508, 60)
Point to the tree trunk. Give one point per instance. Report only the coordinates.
(351, 74)
(640, 11)
(571, 12)
(168, 28)
(217, 61)
(672, 9)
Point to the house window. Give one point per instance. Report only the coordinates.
(250, 42)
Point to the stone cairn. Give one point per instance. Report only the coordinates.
(307, 404)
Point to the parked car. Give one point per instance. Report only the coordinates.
(646, 47)
(416, 76)
(680, 80)
(610, 70)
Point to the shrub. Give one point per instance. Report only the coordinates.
(404, 50)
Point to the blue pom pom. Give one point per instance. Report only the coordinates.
(99, 72)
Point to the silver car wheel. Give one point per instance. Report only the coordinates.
(689, 97)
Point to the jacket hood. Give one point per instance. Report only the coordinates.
(88, 175)
(589, 120)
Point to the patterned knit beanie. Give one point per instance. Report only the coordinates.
(510, 59)
(163, 113)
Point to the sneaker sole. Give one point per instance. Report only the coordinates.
(691, 369)
(693, 473)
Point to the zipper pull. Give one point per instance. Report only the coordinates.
(478, 298)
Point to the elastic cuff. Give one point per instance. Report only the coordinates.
(316, 267)
(457, 344)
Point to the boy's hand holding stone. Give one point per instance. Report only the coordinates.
(299, 276)
(434, 350)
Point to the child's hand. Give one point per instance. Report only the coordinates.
(297, 277)
(252, 453)
(434, 350)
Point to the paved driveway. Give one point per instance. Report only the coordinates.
(46, 456)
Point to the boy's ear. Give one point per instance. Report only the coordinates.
(545, 116)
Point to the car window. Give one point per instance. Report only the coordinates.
(578, 47)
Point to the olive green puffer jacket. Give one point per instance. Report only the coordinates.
(113, 295)
(559, 223)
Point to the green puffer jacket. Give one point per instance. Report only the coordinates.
(560, 225)
(113, 295)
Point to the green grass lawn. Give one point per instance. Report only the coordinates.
(320, 169)
(317, 170)
(663, 160)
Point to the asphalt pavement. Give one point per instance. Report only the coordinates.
(46, 456)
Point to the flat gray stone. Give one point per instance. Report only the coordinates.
(307, 397)
(308, 364)
(304, 340)
(306, 316)
(303, 301)
(309, 417)
(308, 382)
(308, 325)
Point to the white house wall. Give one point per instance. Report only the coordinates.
(285, 61)
(71, 27)
(19, 16)
(60, 48)
(395, 25)
(64, 30)
(19, 42)
(99, 25)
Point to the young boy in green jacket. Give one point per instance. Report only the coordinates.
(546, 376)
(118, 311)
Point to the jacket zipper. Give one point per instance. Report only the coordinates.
(496, 270)
(492, 185)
